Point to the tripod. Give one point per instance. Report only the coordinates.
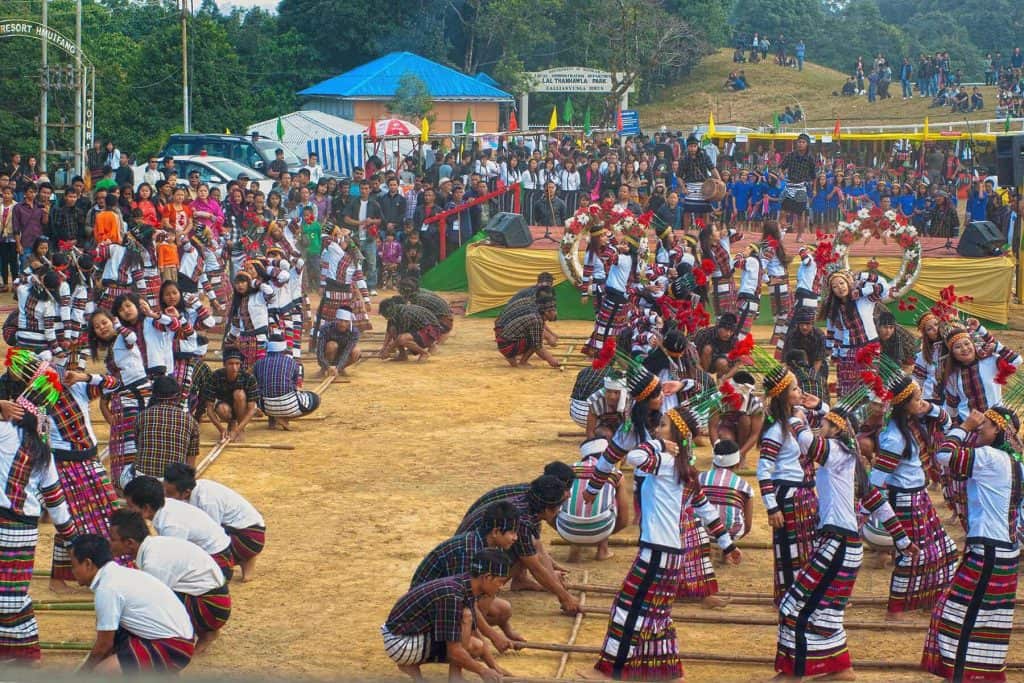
(547, 235)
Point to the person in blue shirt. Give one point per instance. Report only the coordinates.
(903, 199)
(776, 187)
(819, 200)
(741, 190)
(757, 192)
(977, 202)
(800, 50)
(856, 191)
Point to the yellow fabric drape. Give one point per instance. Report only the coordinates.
(988, 280)
(495, 274)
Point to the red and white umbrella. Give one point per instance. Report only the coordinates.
(394, 127)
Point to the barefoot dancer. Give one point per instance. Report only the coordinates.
(641, 639)
(523, 336)
(242, 522)
(181, 566)
(433, 622)
(411, 329)
(812, 640)
(497, 529)
(971, 625)
(585, 524)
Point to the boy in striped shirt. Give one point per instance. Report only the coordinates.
(727, 491)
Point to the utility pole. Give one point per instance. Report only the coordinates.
(184, 67)
(78, 165)
(44, 83)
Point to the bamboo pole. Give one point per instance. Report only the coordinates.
(737, 598)
(572, 435)
(211, 457)
(724, 658)
(71, 645)
(247, 445)
(313, 417)
(739, 620)
(577, 622)
(742, 545)
(66, 607)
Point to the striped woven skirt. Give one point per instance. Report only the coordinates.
(163, 655)
(209, 611)
(295, 404)
(847, 374)
(107, 295)
(812, 640)
(125, 407)
(184, 371)
(90, 499)
(917, 582)
(612, 318)
(793, 544)
(955, 492)
(969, 634)
(782, 308)
(19, 631)
(333, 299)
(723, 295)
(693, 200)
(640, 643)
(246, 543)
(698, 579)
(749, 307)
(252, 346)
(225, 559)
(511, 348)
(579, 411)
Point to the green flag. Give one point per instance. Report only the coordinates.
(467, 127)
(567, 113)
(586, 122)
(775, 121)
(1006, 126)
(280, 129)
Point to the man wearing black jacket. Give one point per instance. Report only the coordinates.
(392, 207)
(549, 210)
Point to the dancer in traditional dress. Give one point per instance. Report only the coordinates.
(714, 245)
(242, 522)
(928, 362)
(694, 168)
(800, 169)
(975, 359)
(343, 282)
(748, 297)
(141, 626)
(598, 259)
(900, 470)
(785, 480)
(434, 621)
(585, 524)
(29, 482)
(776, 269)
(613, 315)
(969, 635)
(640, 643)
(812, 640)
(181, 566)
(848, 312)
(248, 320)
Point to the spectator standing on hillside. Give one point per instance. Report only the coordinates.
(906, 73)
(800, 51)
(873, 78)
(780, 50)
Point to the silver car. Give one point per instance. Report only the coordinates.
(214, 171)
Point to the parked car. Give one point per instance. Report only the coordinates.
(214, 171)
(242, 149)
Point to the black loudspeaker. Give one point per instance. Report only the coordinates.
(1010, 160)
(509, 230)
(981, 238)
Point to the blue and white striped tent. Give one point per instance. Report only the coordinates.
(338, 142)
(340, 153)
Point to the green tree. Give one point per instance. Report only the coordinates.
(412, 99)
(796, 19)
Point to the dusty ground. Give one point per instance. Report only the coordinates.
(368, 491)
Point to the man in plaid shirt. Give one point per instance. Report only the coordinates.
(436, 621)
(164, 431)
(897, 343)
(411, 329)
(523, 336)
(230, 396)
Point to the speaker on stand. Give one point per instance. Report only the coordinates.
(508, 230)
(980, 239)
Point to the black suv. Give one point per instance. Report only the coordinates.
(239, 148)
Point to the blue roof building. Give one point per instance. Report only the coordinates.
(363, 93)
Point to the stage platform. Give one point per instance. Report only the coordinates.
(492, 274)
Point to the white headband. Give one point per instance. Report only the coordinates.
(614, 384)
(344, 314)
(593, 447)
(727, 459)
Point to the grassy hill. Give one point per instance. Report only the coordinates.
(773, 88)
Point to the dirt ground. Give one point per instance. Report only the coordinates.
(404, 449)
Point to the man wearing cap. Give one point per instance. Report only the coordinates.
(800, 170)
(164, 433)
(337, 344)
(523, 336)
(694, 168)
(609, 407)
(897, 343)
(279, 377)
(230, 395)
(714, 343)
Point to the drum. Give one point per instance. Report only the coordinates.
(874, 534)
(713, 190)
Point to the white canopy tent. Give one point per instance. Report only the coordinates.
(338, 142)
